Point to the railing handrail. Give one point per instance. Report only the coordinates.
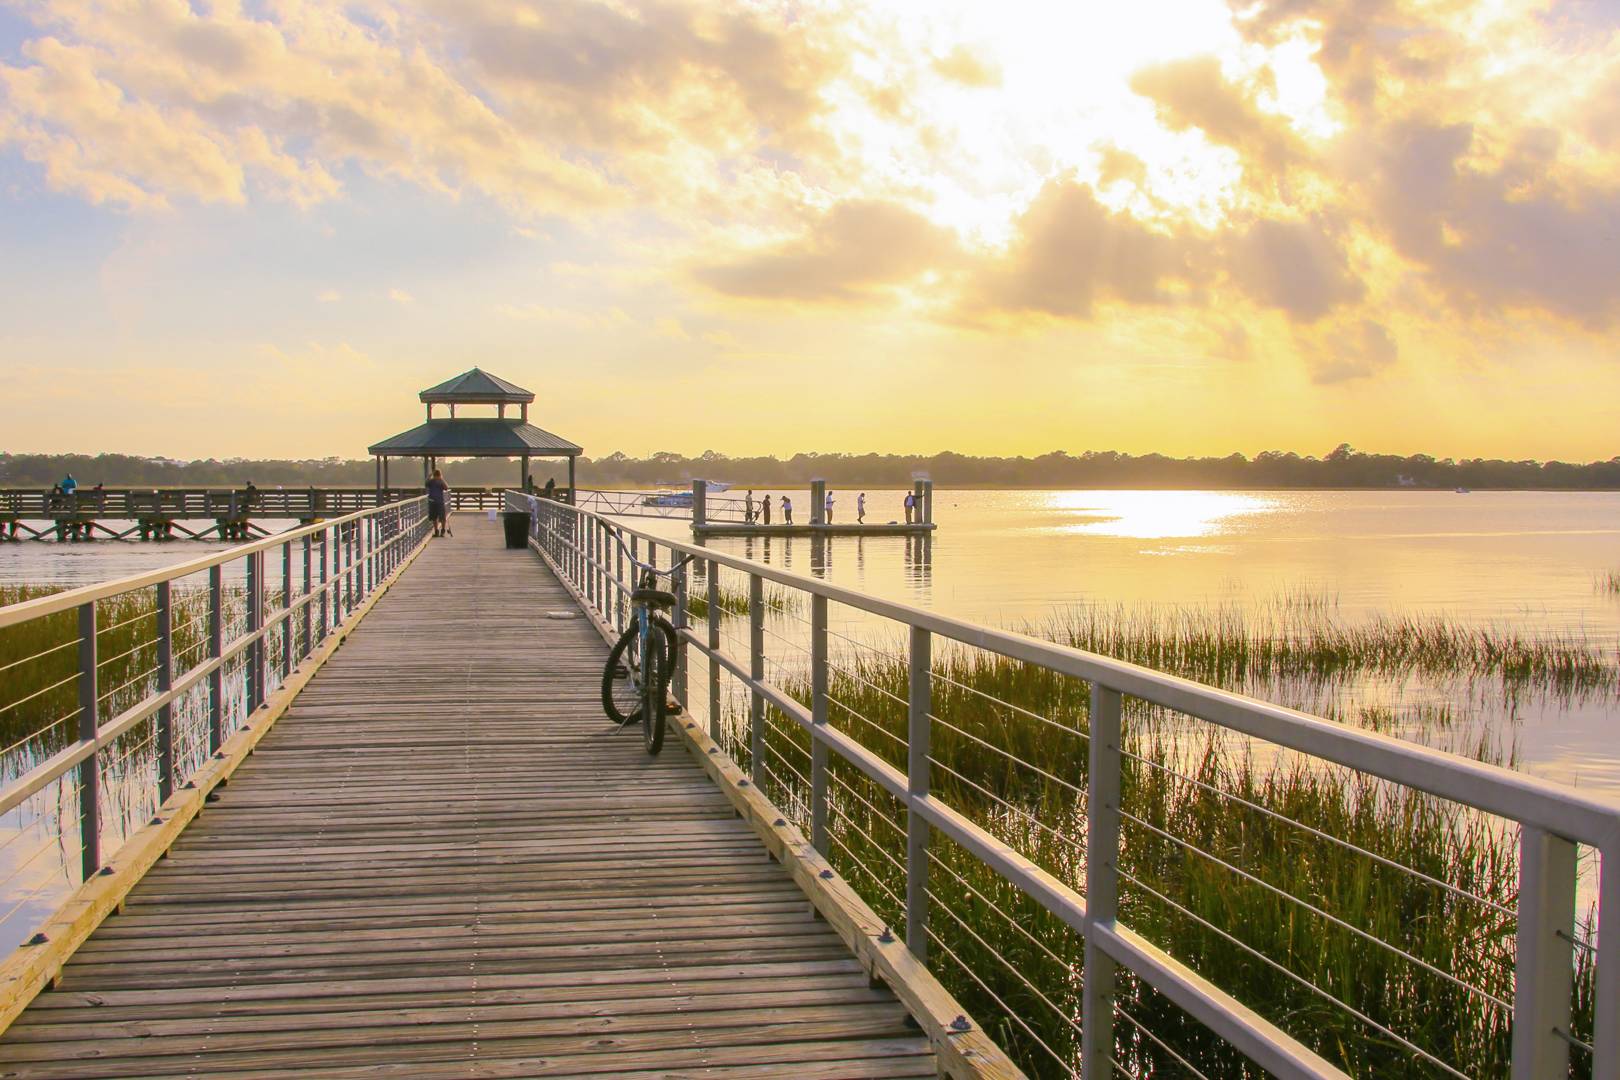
(1584, 817)
(70, 599)
(1554, 818)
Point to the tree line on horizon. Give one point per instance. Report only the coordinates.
(1344, 467)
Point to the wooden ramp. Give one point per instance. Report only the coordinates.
(442, 861)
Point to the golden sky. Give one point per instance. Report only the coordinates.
(258, 228)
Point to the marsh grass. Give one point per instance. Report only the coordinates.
(1228, 646)
(1610, 583)
(1009, 743)
(735, 601)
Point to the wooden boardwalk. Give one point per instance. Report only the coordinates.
(443, 862)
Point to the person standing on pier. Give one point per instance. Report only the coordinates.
(765, 510)
(438, 494)
(787, 510)
(748, 507)
(911, 503)
(860, 509)
(829, 507)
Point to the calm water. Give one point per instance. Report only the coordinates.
(1528, 562)
(1520, 561)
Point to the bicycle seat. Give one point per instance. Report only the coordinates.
(656, 598)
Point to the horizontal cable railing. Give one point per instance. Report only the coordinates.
(1059, 836)
(114, 694)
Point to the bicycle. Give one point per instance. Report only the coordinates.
(635, 680)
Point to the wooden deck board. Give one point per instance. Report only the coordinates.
(443, 862)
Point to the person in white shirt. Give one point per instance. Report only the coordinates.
(787, 510)
(829, 508)
(911, 502)
(860, 509)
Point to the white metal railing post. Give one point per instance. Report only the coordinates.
(326, 577)
(919, 695)
(756, 673)
(620, 608)
(216, 649)
(678, 620)
(90, 767)
(714, 648)
(165, 682)
(255, 620)
(286, 611)
(1099, 972)
(818, 719)
(1606, 1015)
(308, 616)
(593, 544)
(1545, 955)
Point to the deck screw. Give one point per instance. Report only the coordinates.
(105, 871)
(714, 749)
(190, 784)
(38, 939)
(779, 822)
(827, 875)
(155, 821)
(887, 937)
(961, 1024)
(742, 783)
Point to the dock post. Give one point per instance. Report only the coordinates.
(165, 682)
(917, 501)
(700, 502)
(90, 767)
(818, 502)
(928, 502)
(756, 674)
(216, 646)
(818, 720)
(1102, 883)
(714, 647)
(920, 690)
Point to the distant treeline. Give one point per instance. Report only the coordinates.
(1342, 468)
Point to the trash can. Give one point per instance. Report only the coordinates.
(517, 528)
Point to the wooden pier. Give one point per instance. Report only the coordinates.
(442, 861)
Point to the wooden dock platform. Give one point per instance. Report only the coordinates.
(443, 862)
(737, 528)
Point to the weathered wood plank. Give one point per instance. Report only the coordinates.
(444, 862)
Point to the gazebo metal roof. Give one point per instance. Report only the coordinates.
(476, 387)
(475, 437)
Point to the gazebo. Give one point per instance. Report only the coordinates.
(455, 436)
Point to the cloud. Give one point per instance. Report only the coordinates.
(400, 296)
(1070, 251)
(1353, 352)
(1295, 266)
(1195, 93)
(850, 253)
(965, 66)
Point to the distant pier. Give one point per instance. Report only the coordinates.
(731, 516)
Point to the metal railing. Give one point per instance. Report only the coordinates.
(127, 687)
(222, 505)
(970, 847)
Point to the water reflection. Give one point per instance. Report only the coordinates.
(1152, 515)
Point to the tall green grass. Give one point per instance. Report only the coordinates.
(1010, 749)
(735, 601)
(1610, 583)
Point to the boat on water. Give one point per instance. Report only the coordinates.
(677, 500)
(1463, 491)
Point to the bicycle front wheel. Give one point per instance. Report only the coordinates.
(624, 677)
(658, 663)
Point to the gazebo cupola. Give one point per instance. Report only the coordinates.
(458, 435)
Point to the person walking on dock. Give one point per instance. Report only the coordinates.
(911, 504)
(860, 509)
(828, 511)
(787, 510)
(748, 507)
(765, 510)
(438, 494)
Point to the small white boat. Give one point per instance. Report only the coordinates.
(1463, 491)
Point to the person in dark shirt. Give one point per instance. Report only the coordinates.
(438, 495)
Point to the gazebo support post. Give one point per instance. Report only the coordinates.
(572, 496)
(523, 479)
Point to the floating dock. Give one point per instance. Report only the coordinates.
(733, 517)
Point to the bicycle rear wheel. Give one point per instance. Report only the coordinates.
(658, 665)
(622, 678)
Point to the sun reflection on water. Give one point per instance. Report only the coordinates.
(1153, 515)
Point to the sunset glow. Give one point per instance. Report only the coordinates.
(1191, 227)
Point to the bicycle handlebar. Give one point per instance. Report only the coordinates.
(613, 531)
